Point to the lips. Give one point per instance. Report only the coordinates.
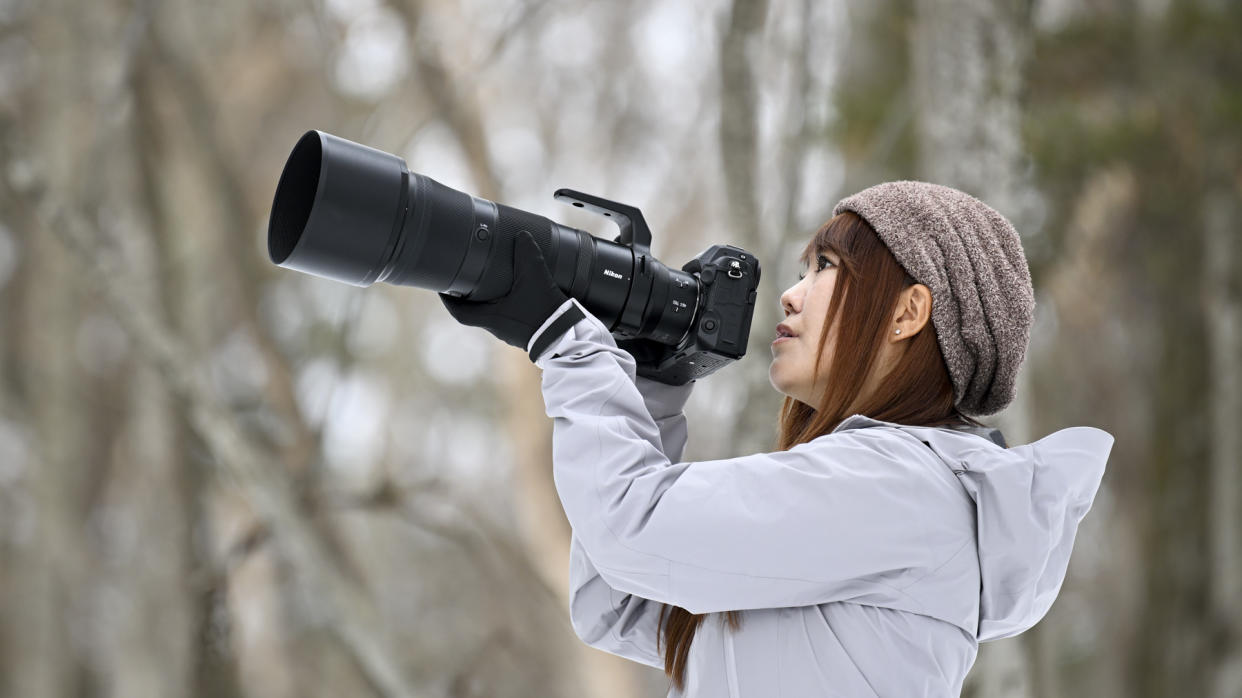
(783, 330)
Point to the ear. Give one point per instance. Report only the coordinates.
(913, 311)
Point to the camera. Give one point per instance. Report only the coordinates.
(351, 213)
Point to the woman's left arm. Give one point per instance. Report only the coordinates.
(833, 519)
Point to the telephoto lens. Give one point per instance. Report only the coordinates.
(355, 214)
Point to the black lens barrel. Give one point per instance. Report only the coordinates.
(355, 214)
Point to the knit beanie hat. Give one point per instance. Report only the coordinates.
(971, 258)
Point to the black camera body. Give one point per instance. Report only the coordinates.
(728, 280)
(350, 213)
(720, 305)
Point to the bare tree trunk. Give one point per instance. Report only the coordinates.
(53, 564)
(52, 582)
(539, 512)
(966, 62)
(739, 97)
(967, 59)
(1080, 295)
(1222, 294)
(142, 583)
(756, 405)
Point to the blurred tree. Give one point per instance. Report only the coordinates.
(194, 496)
(1149, 98)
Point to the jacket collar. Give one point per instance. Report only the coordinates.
(861, 421)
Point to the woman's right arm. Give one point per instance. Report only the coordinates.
(604, 618)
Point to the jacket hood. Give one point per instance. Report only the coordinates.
(1028, 501)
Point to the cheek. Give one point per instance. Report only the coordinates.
(815, 311)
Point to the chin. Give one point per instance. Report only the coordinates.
(777, 383)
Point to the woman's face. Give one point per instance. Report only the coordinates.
(806, 309)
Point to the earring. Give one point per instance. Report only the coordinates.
(897, 332)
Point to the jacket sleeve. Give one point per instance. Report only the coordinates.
(608, 619)
(851, 515)
(603, 617)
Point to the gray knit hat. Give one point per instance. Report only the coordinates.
(971, 258)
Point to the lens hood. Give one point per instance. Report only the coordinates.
(338, 209)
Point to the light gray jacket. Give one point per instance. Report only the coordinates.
(870, 561)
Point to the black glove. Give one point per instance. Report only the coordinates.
(531, 300)
(646, 352)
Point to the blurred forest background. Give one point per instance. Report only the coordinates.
(219, 477)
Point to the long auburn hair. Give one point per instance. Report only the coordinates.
(918, 391)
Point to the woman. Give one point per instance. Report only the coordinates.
(886, 536)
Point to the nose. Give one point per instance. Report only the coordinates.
(787, 300)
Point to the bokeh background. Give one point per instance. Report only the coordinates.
(219, 477)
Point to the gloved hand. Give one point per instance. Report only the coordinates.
(531, 300)
(646, 352)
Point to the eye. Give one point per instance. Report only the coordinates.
(820, 262)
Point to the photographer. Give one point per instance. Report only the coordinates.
(887, 535)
